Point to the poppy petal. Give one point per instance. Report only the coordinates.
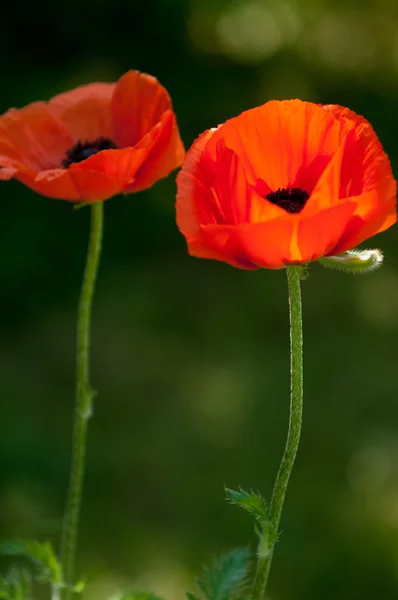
(193, 193)
(33, 136)
(211, 249)
(53, 183)
(164, 152)
(326, 191)
(287, 144)
(105, 174)
(237, 201)
(319, 233)
(212, 187)
(365, 165)
(9, 152)
(7, 173)
(224, 207)
(265, 245)
(363, 226)
(139, 101)
(85, 111)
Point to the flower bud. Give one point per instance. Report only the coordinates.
(354, 261)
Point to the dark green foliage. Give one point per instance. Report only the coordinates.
(251, 501)
(191, 596)
(15, 585)
(37, 559)
(304, 272)
(40, 555)
(191, 356)
(130, 595)
(226, 579)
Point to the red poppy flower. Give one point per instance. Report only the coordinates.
(93, 142)
(285, 183)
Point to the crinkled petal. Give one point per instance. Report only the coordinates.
(194, 196)
(7, 173)
(365, 165)
(286, 144)
(86, 111)
(319, 233)
(53, 183)
(162, 152)
(265, 245)
(33, 136)
(209, 247)
(105, 174)
(138, 103)
(364, 224)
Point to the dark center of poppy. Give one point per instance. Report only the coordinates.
(82, 150)
(290, 199)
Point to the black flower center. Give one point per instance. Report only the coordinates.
(82, 150)
(290, 199)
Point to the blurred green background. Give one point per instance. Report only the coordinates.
(191, 357)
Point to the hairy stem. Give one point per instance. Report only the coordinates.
(270, 531)
(84, 398)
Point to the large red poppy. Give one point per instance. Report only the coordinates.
(285, 183)
(93, 142)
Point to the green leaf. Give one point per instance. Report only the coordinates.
(227, 578)
(77, 588)
(191, 596)
(40, 554)
(303, 271)
(253, 503)
(16, 585)
(134, 595)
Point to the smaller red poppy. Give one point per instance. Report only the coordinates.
(93, 142)
(286, 183)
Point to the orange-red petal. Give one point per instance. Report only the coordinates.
(223, 207)
(86, 111)
(7, 173)
(138, 104)
(363, 225)
(97, 178)
(33, 136)
(287, 144)
(163, 153)
(105, 174)
(318, 234)
(193, 191)
(365, 165)
(209, 247)
(253, 245)
(135, 114)
(53, 183)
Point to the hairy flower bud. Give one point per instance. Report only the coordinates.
(355, 261)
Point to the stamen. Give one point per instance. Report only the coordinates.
(292, 200)
(83, 150)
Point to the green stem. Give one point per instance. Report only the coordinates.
(84, 397)
(271, 529)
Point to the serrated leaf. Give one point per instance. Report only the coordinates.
(251, 501)
(78, 587)
(135, 595)
(227, 578)
(16, 585)
(191, 596)
(40, 554)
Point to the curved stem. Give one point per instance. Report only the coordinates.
(271, 528)
(84, 397)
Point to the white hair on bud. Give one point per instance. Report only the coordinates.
(355, 261)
